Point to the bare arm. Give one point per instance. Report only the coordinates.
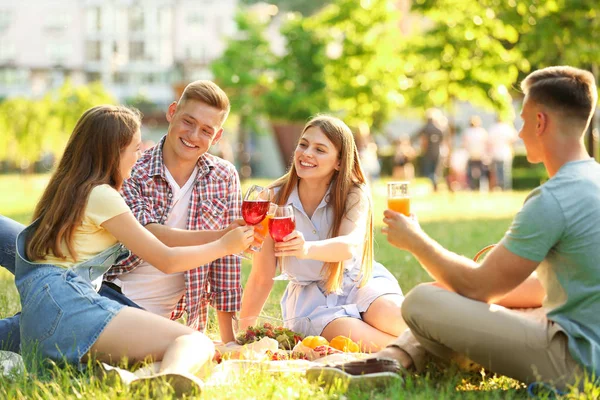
(174, 237)
(259, 285)
(529, 294)
(127, 230)
(351, 236)
(181, 237)
(500, 273)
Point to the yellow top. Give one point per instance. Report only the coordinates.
(89, 239)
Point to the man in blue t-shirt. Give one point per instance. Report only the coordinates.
(548, 262)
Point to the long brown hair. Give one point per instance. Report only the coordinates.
(91, 158)
(350, 176)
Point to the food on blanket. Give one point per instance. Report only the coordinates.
(285, 337)
(323, 351)
(314, 341)
(256, 350)
(317, 352)
(284, 356)
(345, 344)
(217, 357)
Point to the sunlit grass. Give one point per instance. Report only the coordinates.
(463, 222)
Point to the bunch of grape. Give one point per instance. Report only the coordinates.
(286, 338)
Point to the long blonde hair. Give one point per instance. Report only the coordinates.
(349, 176)
(91, 158)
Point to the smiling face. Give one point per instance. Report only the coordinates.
(315, 156)
(194, 126)
(130, 155)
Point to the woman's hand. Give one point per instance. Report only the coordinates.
(238, 239)
(292, 245)
(402, 232)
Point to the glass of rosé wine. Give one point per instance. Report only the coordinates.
(255, 208)
(280, 225)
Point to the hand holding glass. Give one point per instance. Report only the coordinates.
(254, 209)
(282, 224)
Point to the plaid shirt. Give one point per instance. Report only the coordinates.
(215, 203)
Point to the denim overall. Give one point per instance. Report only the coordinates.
(62, 314)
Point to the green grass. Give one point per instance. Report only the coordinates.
(463, 222)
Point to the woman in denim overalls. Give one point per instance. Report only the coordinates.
(80, 223)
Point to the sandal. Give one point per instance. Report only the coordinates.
(363, 374)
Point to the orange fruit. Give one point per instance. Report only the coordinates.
(345, 344)
(314, 341)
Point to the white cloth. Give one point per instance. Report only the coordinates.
(149, 287)
(501, 137)
(475, 141)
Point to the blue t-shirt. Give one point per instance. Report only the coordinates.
(559, 226)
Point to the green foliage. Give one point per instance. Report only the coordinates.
(142, 103)
(243, 71)
(557, 32)
(362, 40)
(477, 51)
(32, 127)
(468, 54)
(299, 89)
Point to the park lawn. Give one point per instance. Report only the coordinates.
(463, 222)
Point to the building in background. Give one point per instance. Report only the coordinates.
(135, 48)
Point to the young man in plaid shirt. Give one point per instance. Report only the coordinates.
(184, 196)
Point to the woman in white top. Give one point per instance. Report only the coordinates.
(334, 282)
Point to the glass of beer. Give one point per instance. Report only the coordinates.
(399, 198)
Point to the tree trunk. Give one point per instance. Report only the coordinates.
(243, 156)
(287, 135)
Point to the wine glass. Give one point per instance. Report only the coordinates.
(282, 224)
(255, 208)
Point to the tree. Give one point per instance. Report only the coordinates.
(299, 90)
(362, 39)
(243, 72)
(34, 127)
(468, 54)
(562, 32)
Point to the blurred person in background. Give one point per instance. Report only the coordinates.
(404, 156)
(367, 152)
(475, 141)
(501, 137)
(432, 136)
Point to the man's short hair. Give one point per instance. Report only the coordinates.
(209, 93)
(565, 89)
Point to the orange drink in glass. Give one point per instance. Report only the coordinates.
(399, 198)
(262, 228)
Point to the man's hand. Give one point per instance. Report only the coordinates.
(402, 232)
